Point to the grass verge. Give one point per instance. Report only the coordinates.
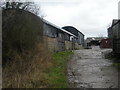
(57, 76)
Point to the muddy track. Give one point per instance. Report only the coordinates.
(89, 69)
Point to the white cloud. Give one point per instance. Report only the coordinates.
(91, 17)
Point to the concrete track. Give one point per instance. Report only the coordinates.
(89, 69)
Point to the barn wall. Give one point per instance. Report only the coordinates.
(55, 38)
(61, 41)
(68, 45)
(80, 39)
(110, 33)
(116, 38)
(116, 46)
(115, 29)
(51, 43)
(76, 46)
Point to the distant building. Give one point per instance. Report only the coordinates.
(56, 37)
(59, 39)
(77, 33)
(93, 41)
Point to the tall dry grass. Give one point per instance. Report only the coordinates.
(27, 70)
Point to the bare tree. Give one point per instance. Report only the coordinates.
(21, 4)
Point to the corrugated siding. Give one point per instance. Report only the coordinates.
(116, 46)
(116, 38)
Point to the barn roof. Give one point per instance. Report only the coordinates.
(49, 23)
(72, 29)
(115, 21)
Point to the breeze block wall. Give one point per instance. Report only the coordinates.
(51, 43)
(68, 45)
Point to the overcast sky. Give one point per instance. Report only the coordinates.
(91, 17)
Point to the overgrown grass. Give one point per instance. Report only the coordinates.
(57, 75)
(28, 70)
(39, 71)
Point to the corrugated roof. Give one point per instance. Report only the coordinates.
(72, 28)
(47, 22)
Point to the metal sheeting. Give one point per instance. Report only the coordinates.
(116, 46)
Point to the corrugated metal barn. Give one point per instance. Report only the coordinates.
(58, 39)
(76, 32)
(114, 33)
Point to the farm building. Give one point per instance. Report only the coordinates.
(114, 33)
(76, 32)
(58, 39)
(93, 41)
(110, 33)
